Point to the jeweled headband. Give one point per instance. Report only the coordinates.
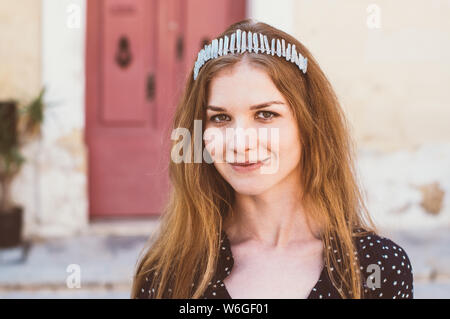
(241, 41)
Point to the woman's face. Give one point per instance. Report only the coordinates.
(257, 130)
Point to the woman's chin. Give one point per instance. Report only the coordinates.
(248, 183)
(249, 188)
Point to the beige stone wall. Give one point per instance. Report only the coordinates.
(393, 81)
(21, 80)
(39, 48)
(20, 49)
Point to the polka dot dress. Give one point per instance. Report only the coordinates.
(384, 266)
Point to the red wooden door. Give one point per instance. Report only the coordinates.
(138, 54)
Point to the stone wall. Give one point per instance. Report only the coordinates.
(388, 62)
(20, 49)
(45, 47)
(392, 82)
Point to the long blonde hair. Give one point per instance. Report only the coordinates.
(183, 252)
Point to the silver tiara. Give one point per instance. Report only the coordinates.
(241, 41)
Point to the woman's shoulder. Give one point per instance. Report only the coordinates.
(385, 266)
(148, 286)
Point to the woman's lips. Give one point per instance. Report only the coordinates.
(247, 166)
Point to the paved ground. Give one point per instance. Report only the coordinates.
(105, 265)
(106, 261)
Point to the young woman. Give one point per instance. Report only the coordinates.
(300, 230)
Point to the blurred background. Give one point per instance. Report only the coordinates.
(87, 90)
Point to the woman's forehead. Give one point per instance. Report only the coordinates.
(243, 85)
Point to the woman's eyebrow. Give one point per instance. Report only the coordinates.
(253, 107)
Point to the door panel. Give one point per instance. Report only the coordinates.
(123, 56)
(138, 54)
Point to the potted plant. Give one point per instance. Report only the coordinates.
(17, 127)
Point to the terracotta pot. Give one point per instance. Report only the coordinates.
(11, 227)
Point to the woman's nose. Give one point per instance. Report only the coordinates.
(240, 140)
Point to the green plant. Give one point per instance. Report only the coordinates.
(17, 127)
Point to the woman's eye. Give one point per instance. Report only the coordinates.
(219, 118)
(266, 115)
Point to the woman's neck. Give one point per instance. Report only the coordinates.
(275, 218)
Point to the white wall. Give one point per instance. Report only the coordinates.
(398, 108)
(61, 176)
(392, 82)
(277, 13)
